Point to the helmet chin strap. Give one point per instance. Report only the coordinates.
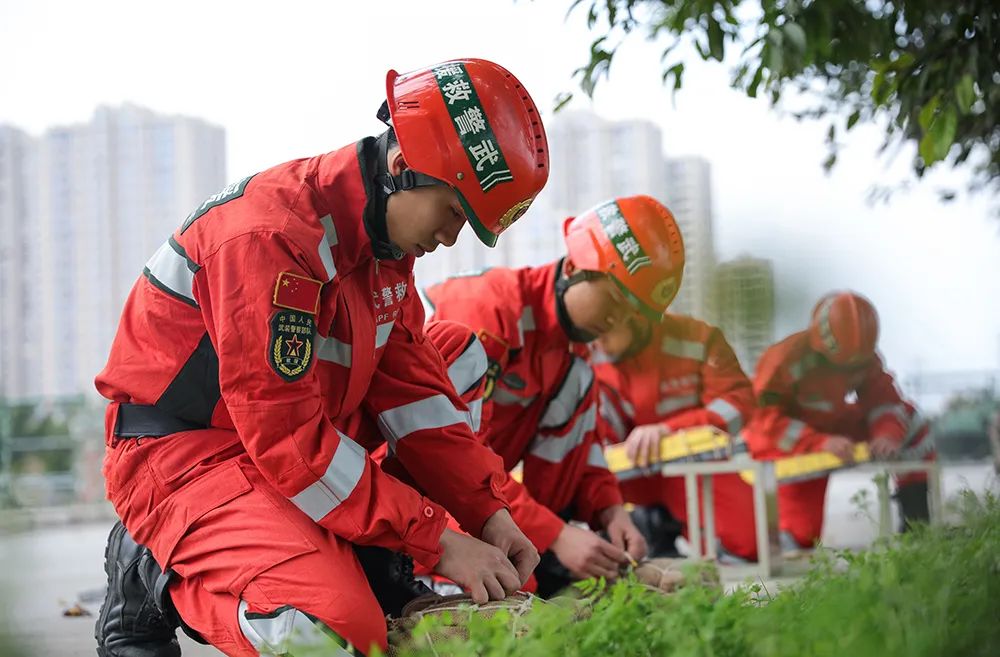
(386, 185)
(563, 283)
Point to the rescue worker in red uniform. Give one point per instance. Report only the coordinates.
(623, 255)
(467, 364)
(283, 306)
(825, 389)
(657, 378)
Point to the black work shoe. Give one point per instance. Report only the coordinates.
(659, 528)
(390, 575)
(913, 507)
(130, 623)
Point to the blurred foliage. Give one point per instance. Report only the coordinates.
(934, 591)
(926, 70)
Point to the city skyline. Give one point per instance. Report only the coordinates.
(97, 199)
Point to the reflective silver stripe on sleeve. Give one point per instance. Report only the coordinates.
(431, 413)
(673, 404)
(475, 414)
(526, 322)
(505, 397)
(896, 409)
(555, 448)
(333, 350)
(791, 436)
(469, 367)
(284, 630)
(337, 483)
(595, 457)
(729, 413)
(561, 408)
(822, 405)
(172, 271)
(610, 414)
(382, 332)
(683, 348)
(916, 427)
(325, 245)
(628, 408)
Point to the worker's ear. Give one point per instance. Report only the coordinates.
(396, 163)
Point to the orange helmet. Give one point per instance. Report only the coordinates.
(844, 328)
(635, 240)
(470, 124)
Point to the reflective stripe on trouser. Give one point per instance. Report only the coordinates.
(259, 550)
(288, 631)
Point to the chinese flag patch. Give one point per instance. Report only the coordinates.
(297, 293)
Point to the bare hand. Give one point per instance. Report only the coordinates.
(643, 445)
(481, 569)
(623, 532)
(586, 554)
(501, 532)
(841, 447)
(883, 448)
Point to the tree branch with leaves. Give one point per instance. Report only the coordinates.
(926, 70)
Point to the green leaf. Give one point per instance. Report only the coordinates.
(755, 83)
(927, 114)
(774, 59)
(943, 131)
(677, 70)
(715, 44)
(883, 85)
(796, 36)
(965, 94)
(853, 118)
(562, 99)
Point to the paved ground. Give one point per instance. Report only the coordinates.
(44, 571)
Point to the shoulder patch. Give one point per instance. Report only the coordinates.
(290, 348)
(230, 192)
(497, 355)
(297, 292)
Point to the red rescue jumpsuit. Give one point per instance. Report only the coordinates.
(267, 320)
(544, 403)
(804, 400)
(687, 376)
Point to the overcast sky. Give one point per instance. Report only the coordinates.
(294, 79)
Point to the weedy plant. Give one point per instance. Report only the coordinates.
(932, 592)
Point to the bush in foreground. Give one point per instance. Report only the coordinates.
(930, 593)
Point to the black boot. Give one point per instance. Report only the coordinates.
(659, 528)
(913, 508)
(390, 575)
(552, 576)
(131, 623)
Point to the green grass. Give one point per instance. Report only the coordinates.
(934, 592)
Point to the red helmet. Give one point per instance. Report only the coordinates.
(469, 123)
(844, 328)
(636, 241)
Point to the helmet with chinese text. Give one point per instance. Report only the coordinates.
(634, 240)
(472, 125)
